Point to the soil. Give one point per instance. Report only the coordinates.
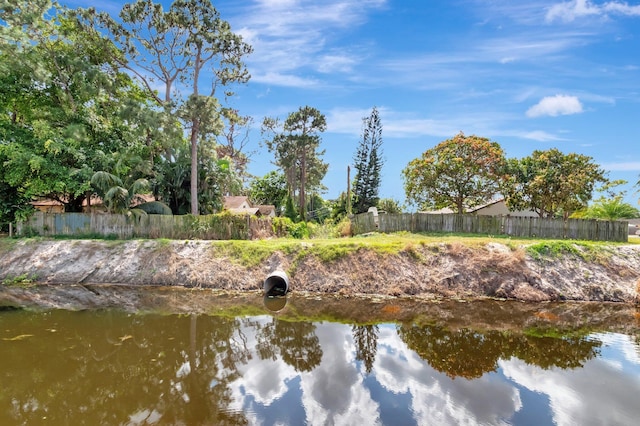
(430, 271)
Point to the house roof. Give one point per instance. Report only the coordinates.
(250, 211)
(95, 201)
(234, 201)
(266, 209)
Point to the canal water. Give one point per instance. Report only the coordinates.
(315, 361)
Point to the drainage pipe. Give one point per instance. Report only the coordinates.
(276, 284)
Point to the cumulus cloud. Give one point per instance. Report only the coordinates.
(556, 105)
(572, 10)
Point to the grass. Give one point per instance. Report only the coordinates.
(253, 253)
(25, 280)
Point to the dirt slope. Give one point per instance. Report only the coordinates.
(429, 271)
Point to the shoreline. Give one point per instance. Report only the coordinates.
(423, 271)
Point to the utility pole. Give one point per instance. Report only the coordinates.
(348, 190)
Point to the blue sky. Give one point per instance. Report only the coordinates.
(529, 75)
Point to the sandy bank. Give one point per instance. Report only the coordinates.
(442, 270)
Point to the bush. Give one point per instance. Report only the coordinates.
(285, 227)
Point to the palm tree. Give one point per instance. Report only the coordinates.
(611, 209)
(116, 197)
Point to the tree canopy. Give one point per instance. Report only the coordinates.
(551, 183)
(368, 163)
(186, 48)
(66, 110)
(295, 145)
(459, 173)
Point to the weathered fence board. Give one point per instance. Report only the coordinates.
(576, 229)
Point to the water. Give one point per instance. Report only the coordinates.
(323, 362)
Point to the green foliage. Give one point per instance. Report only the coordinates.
(295, 145)
(459, 173)
(171, 183)
(339, 208)
(556, 249)
(66, 111)
(283, 226)
(188, 44)
(290, 209)
(117, 198)
(155, 207)
(609, 209)
(24, 280)
(389, 205)
(551, 183)
(368, 163)
(269, 189)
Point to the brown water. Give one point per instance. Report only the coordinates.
(403, 363)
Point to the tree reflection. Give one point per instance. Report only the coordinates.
(121, 370)
(470, 354)
(365, 338)
(296, 342)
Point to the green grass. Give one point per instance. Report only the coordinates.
(25, 280)
(587, 250)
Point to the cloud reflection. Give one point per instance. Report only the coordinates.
(577, 396)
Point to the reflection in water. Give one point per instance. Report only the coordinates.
(274, 303)
(108, 367)
(469, 354)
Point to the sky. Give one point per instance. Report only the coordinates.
(530, 75)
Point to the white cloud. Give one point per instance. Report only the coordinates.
(575, 9)
(541, 136)
(289, 36)
(556, 105)
(286, 80)
(573, 397)
(629, 166)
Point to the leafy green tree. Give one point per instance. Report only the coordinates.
(551, 183)
(389, 205)
(459, 173)
(610, 209)
(117, 196)
(269, 189)
(183, 48)
(172, 181)
(339, 207)
(368, 163)
(295, 145)
(610, 206)
(65, 110)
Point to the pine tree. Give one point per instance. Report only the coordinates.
(368, 164)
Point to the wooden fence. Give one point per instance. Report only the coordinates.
(574, 229)
(209, 227)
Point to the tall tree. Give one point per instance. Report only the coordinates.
(65, 110)
(233, 140)
(295, 145)
(185, 48)
(459, 173)
(551, 183)
(368, 163)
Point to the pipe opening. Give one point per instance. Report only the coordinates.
(276, 284)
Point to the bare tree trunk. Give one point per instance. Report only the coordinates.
(194, 167)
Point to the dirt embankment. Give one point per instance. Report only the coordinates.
(426, 271)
